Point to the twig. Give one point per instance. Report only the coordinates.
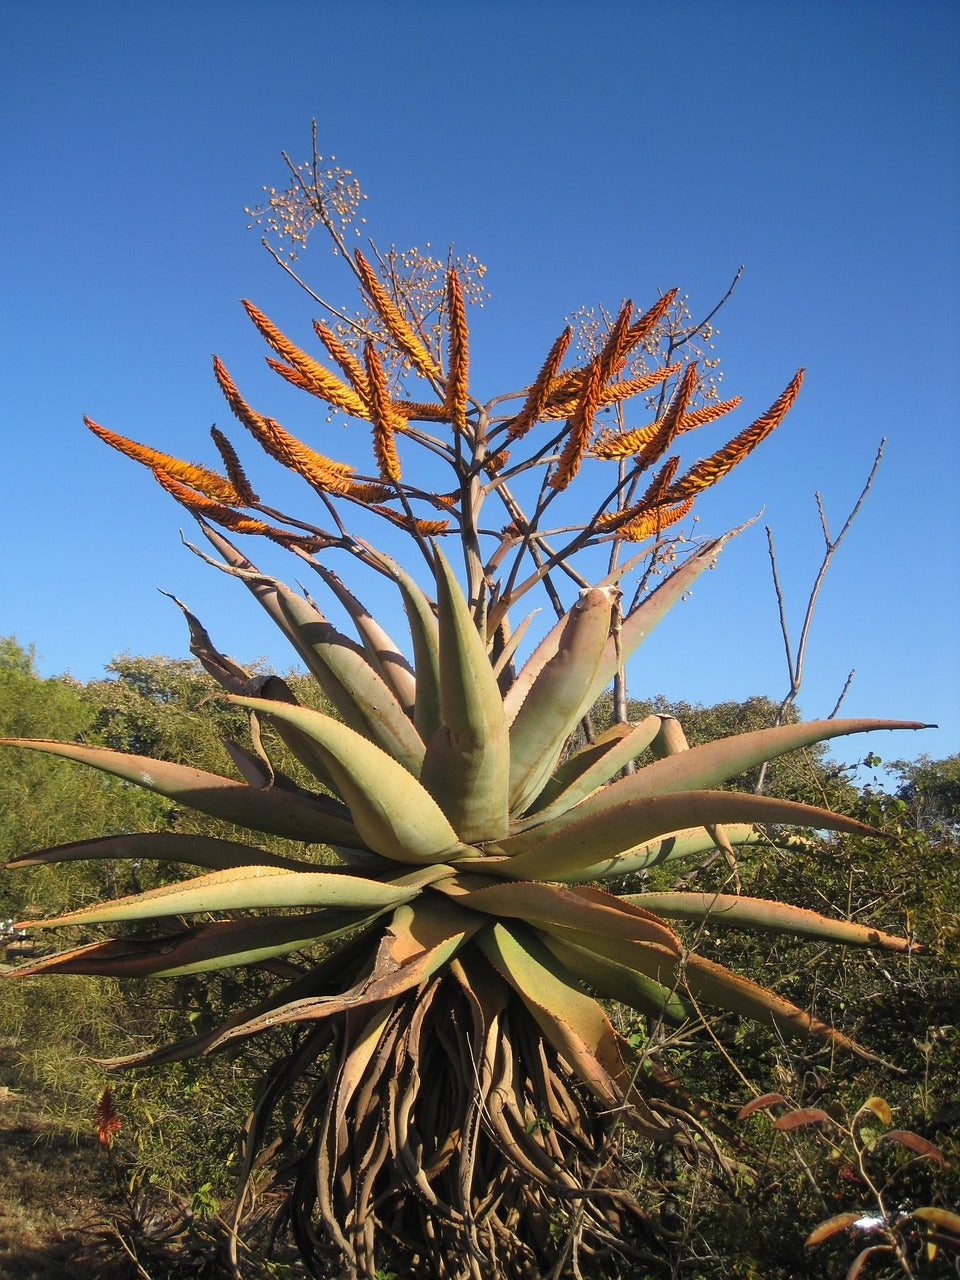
(795, 662)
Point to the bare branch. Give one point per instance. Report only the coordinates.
(795, 664)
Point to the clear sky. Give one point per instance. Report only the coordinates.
(585, 153)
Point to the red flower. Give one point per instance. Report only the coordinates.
(108, 1122)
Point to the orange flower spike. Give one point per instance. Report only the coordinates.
(458, 355)
(708, 471)
(660, 484)
(395, 322)
(579, 428)
(321, 472)
(422, 412)
(200, 478)
(220, 514)
(345, 358)
(622, 444)
(533, 407)
(628, 387)
(383, 416)
(617, 344)
(238, 477)
(313, 376)
(654, 521)
(708, 413)
(652, 498)
(670, 423)
(648, 321)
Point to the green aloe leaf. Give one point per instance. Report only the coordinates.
(697, 768)
(467, 764)
(692, 842)
(354, 688)
(395, 815)
(558, 698)
(424, 633)
(762, 915)
(615, 823)
(616, 981)
(571, 1020)
(384, 656)
(420, 940)
(581, 908)
(244, 888)
(201, 949)
(717, 985)
(589, 768)
(295, 815)
(167, 846)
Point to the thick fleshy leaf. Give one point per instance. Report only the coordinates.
(693, 842)
(581, 908)
(220, 945)
(248, 888)
(549, 645)
(559, 697)
(395, 815)
(571, 1020)
(639, 622)
(319, 978)
(617, 981)
(356, 690)
(339, 666)
(167, 846)
(589, 768)
(760, 914)
(382, 653)
(424, 634)
(275, 689)
(615, 823)
(295, 815)
(419, 941)
(467, 764)
(698, 768)
(713, 983)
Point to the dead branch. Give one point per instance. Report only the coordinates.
(795, 660)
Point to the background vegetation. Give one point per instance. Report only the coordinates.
(152, 1195)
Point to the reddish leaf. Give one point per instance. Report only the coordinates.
(861, 1260)
(824, 1230)
(763, 1103)
(913, 1142)
(939, 1217)
(797, 1119)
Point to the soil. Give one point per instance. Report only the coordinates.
(57, 1203)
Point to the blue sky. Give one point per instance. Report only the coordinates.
(584, 154)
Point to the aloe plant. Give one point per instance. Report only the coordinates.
(447, 952)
